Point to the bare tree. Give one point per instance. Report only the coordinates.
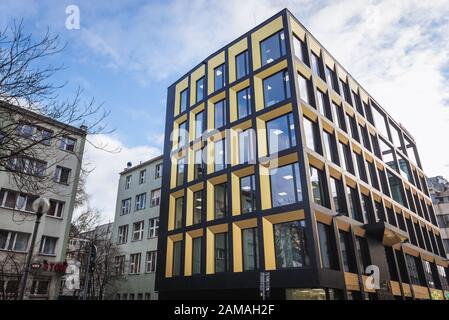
(87, 231)
(28, 99)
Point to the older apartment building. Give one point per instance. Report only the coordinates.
(439, 191)
(49, 169)
(290, 167)
(135, 230)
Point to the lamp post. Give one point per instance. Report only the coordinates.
(40, 206)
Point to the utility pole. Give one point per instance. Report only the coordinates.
(40, 206)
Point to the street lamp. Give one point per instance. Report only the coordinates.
(40, 206)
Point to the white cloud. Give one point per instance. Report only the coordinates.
(102, 182)
(397, 51)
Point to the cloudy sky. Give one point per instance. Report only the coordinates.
(126, 53)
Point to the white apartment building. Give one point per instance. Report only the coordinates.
(58, 154)
(439, 192)
(135, 230)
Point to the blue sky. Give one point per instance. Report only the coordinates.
(126, 53)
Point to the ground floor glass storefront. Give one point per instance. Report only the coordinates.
(313, 294)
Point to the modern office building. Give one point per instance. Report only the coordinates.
(439, 192)
(48, 162)
(290, 167)
(135, 231)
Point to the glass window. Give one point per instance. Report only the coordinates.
(365, 137)
(242, 64)
(141, 200)
(331, 78)
(200, 123)
(312, 141)
(196, 255)
(285, 185)
(339, 116)
(221, 252)
(48, 245)
(182, 137)
(142, 176)
(367, 209)
(330, 147)
(153, 227)
(221, 200)
(122, 234)
(346, 161)
(127, 182)
(220, 114)
(347, 254)
(67, 144)
(183, 100)
(337, 195)
(304, 90)
(177, 258)
(219, 77)
(62, 175)
(281, 133)
(180, 173)
(220, 154)
(346, 91)
(200, 89)
(316, 65)
(358, 102)
(13, 241)
(413, 269)
(197, 206)
(57, 207)
(383, 181)
(353, 202)
(327, 247)
(380, 121)
(373, 174)
(362, 252)
(323, 105)
(300, 49)
(276, 88)
(404, 169)
(244, 103)
(248, 194)
(318, 187)
(250, 249)
(272, 48)
(138, 228)
(199, 164)
(411, 151)
(39, 287)
(396, 137)
(353, 126)
(291, 245)
(158, 171)
(428, 273)
(360, 164)
(247, 146)
(179, 208)
(395, 188)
